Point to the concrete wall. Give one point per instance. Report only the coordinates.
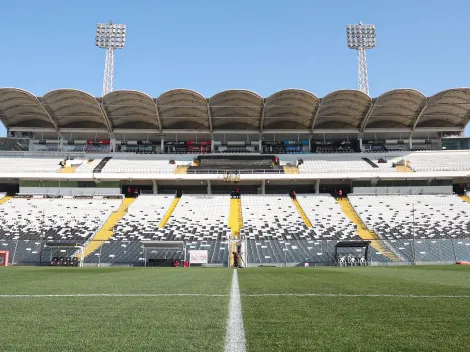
(404, 190)
(69, 191)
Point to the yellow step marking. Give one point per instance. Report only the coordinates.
(107, 230)
(302, 213)
(404, 168)
(363, 231)
(235, 220)
(181, 169)
(169, 212)
(463, 197)
(68, 170)
(5, 199)
(291, 169)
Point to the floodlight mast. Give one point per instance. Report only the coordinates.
(110, 36)
(361, 37)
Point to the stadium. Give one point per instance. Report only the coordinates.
(345, 219)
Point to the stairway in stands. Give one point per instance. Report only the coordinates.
(68, 170)
(364, 232)
(5, 199)
(461, 196)
(235, 220)
(235, 223)
(169, 212)
(289, 169)
(404, 168)
(302, 213)
(181, 169)
(106, 231)
(371, 163)
(101, 165)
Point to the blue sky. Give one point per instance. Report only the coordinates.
(209, 46)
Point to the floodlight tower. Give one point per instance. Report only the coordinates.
(361, 37)
(110, 36)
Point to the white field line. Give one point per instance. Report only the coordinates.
(365, 295)
(114, 295)
(339, 295)
(235, 336)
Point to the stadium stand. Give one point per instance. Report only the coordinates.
(29, 164)
(270, 224)
(439, 161)
(120, 165)
(23, 221)
(327, 219)
(328, 163)
(200, 220)
(88, 165)
(240, 163)
(435, 216)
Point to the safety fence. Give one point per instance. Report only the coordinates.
(247, 252)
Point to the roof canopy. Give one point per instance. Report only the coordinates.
(286, 110)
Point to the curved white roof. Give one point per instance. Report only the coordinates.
(289, 109)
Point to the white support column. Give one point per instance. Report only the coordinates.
(212, 144)
(154, 187)
(360, 144)
(60, 146)
(260, 145)
(209, 187)
(112, 142)
(162, 145)
(410, 142)
(317, 187)
(309, 145)
(263, 187)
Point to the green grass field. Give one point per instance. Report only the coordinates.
(293, 309)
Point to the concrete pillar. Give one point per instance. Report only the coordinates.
(209, 187)
(154, 187)
(317, 187)
(260, 145)
(309, 145)
(263, 187)
(162, 144)
(112, 144)
(410, 143)
(360, 143)
(212, 145)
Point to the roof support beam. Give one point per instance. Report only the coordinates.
(419, 116)
(105, 117)
(366, 118)
(159, 120)
(48, 115)
(316, 115)
(262, 116)
(209, 115)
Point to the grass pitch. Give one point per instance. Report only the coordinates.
(385, 311)
(362, 323)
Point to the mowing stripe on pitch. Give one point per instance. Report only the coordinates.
(235, 336)
(364, 295)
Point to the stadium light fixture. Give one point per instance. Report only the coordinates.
(361, 37)
(110, 36)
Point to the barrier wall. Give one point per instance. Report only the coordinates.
(68, 191)
(255, 252)
(404, 190)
